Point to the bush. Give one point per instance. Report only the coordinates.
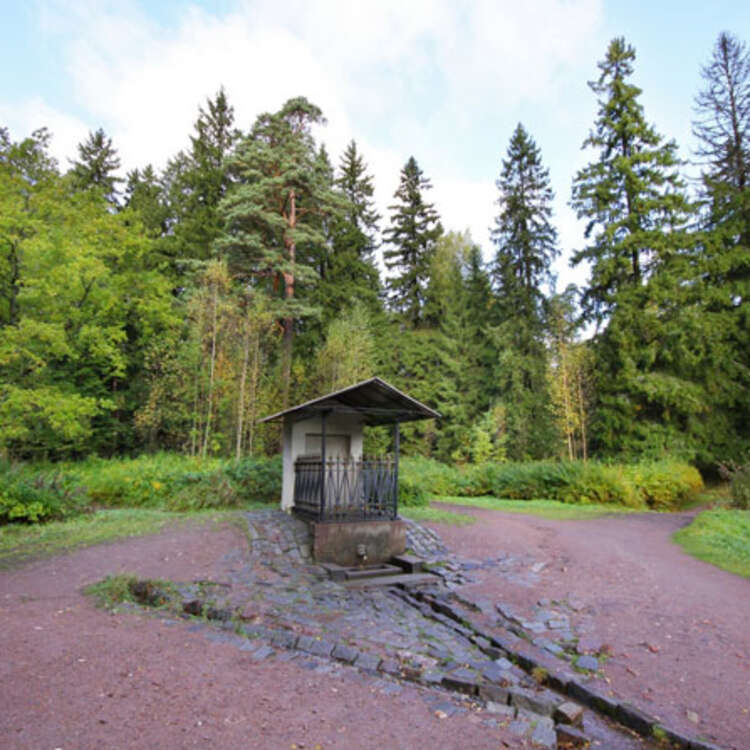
(739, 483)
(35, 493)
(28, 498)
(664, 485)
(412, 493)
(661, 485)
(232, 485)
(434, 477)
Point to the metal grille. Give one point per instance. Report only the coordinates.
(347, 490)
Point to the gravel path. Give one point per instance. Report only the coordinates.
(667, 632)
(73, 676)
(674, 629)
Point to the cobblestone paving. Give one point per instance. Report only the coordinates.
(279, 587)
(278, 604)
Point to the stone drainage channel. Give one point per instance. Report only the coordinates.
(277, 604)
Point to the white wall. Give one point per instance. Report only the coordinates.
(294, 445)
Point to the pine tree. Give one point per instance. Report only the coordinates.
(652, 357)
(275, 208)
(415, 227)
(526, 245)
(96, 166)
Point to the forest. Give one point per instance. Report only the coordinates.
(171, 309)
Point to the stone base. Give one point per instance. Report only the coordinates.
(340, 543)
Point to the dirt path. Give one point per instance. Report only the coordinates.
(678, 628)
(73, 676)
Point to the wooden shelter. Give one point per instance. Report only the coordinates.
(326, 479)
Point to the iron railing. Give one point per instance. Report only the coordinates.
(348, 489)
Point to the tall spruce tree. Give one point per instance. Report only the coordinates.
(96, 166)
(722, 123)
(526, 245)
(199, 180)
(144, 196)
(346, 264)
(414, 228)
(276, 206)
(651, 357)
(479, 311)
(722, 127)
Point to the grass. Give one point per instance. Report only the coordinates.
(114, 590)
(21, 542)
(111, 591)
(436, 515)
(720, 537)
(552, 509)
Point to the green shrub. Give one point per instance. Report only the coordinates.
(257, 479)
(411, 492)
(738, 476)
(27, 497)
(435, 477)
(35, 493)
(177, 482)
(660, 485)
(664, 485)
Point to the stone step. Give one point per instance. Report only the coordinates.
(371, 571)
(409, 563)
(405, 579)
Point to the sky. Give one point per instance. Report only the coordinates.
(445, 81)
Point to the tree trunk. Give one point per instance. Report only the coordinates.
(243, 379)
(254, 377)
(581, 410)
(212, 368)
(289, 295)
(567, 410)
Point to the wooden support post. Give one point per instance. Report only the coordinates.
(396, 447)
(323, 418)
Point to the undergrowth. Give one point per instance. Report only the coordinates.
(661, 485)
(30, 493)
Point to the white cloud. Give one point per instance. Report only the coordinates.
(33, 113)
(443, 80)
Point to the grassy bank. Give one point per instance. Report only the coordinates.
(720, 537)
(432, 514)
(21, 542)
(545, 508)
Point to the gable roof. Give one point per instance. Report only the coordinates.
(376, 401)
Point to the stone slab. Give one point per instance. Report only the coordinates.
(635, 719)
(571, 737)
(462, 680)
(339, 542)
(409, 563)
